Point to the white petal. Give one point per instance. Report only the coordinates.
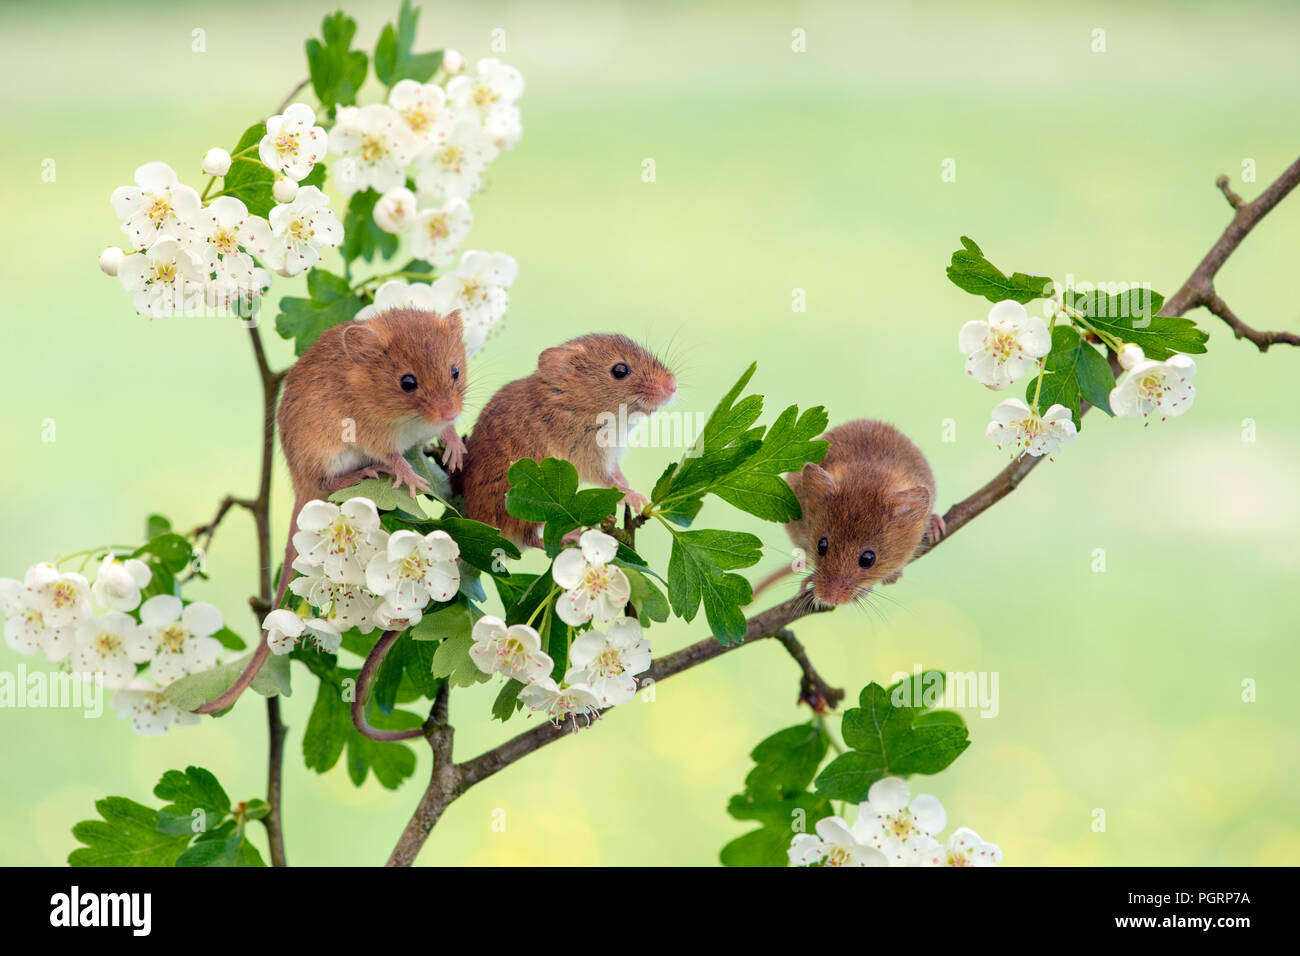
(569, 568)
(597, 547)
(889, 795)
(202, 618)
(159, 610)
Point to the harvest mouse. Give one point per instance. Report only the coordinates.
(357, 400)
(559, 412)
(866, 508)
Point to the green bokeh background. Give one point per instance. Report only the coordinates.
(1119, 691)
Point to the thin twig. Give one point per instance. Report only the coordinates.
(368, 671)
(284, 103)
(275, 781)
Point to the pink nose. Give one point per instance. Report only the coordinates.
(834, 592)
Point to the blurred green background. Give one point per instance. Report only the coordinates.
(775, 170)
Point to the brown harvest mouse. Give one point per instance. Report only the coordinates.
(557, 413)
(866, 508)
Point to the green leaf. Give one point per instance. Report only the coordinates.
(337, 71)
(330, 302)
(481, 545)
(362, 237)
(187, 791)
(507, 702)
(699, 572)
(1095, 378)
(230, 640)
(330, 732)
(973, 273)
(452, 661)
(390, 761)
(327, 728)
(384, 495)
(127, 835)
(893, 739)
(155, 525)
(394, 59)
(756, 484)
(548, 492)
(1074, 369)
(190, 693)
(171, 550)
(649, 601)
(233, 849)
(766, 846)
(1059, 388)
(407, 659)
(447, 621)
(1131, 317)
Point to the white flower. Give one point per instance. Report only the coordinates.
(1130, 355)
(110, 260)
(283, 628)
(26, 629)
(293, 143)
(514, 651)
(414, 570)
(453, 167)
(595, 590)
(422, 108)
(478, 289)
(1150, 386)
(490, 98)
(219, 236)
(965, 848)
(162, 278)
(436, 233)
(345, 605)
(157, 205)
(396, 294)
(453, 61)
(118, 583)
(835, 844)
(61, 599)
(300, 229)
(395, 210)
(1005, 347)
(216, 162)
(102, 644)
(1015, 424)
(341, 539)
(389, 618)
(608, 663)
(176, 641)
(560, 702)
(375, 145)
(284, 189)
(149, 709)
(897, 823)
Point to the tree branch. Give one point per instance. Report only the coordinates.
(445, 785)
(368, 671)
(274, 781)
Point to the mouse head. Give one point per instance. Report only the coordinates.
(861, 533)
(408, 364)
(598, 373)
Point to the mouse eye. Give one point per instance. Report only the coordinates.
(455, 373)
(866, 559)
(620, 370)
(408, 382)
(823, 546)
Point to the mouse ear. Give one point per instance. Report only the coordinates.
(816, 480)
(555, 362)
(360, 342)
(452, 321)
(910, 501)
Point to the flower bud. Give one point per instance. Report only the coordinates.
(284, 189)
(395, 210)
(110, 259)
(1130, 355)
(453, 61)
(216, 162)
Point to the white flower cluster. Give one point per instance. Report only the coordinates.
(603, 662)
(892, 829)
(104, 633)
(442, 140)
(358, 575)
(1011, 343)
(187, 252)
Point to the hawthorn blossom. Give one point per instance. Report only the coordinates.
(897, 823)
(1149, 386)
(395, 210)
(1005, 347)
(514, 651)
(284, 189)
(452, 167)
(300, 229)
(348, 605)
(835, 844)
(110, 260)
(964, 848)
(414, 570)
(223, 235)
(26, 629)
(478, 289)
(284, 628)
(609, 662)
(118, 583)
(341, 539)
(374, 144)
(148, 709)
(436, 233)
(489, 97)
(595, 590)
(61, 598)
(390, 618)
(101, 650)
(1015, 424)
(216, 162)
(396, 294)
(157, 205)
(293, 143)
(162, 278)
(576, 700)
(176, 640)
(422, 107)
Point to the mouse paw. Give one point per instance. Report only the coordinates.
(935, 530)
(453, 457)
(634, 500)
(572, 537)
(404, 474)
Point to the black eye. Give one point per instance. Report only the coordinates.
(455, 373)
(823, 546)
(620, 370)
(866, 559)
(409, 383)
